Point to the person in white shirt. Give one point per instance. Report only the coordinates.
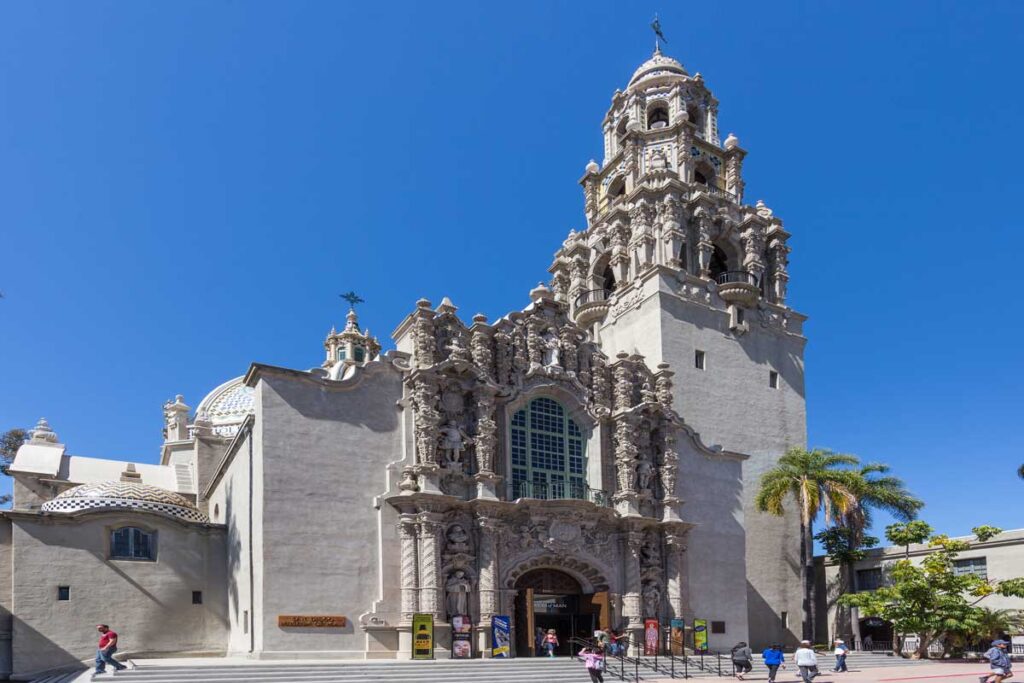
(840, 652)
(807, 661)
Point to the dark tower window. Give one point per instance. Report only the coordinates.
(617, 188)
(608, 282)
(621, 129)
(700, 178)
(657, 117)
(719, 262)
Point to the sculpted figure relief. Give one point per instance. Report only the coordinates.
(457, 589)
(453, 441)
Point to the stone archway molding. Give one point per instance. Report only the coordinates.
(591, 579)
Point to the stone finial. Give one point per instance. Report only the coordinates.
(176, 419)
(42, 432)
(424, 304)
(541, 293)
(592, 167)
(351, 321)
(447, 306)
(480, 318)
(130, 474)
(203, 425)
(762, 209)
(732, 142)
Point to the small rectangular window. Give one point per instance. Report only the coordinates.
(197, 597)
(785, 620)
(773, 379)
(698, 360)
(245, 621)
(870, 579)
(718, 627)
(63, 592)
(974, 565)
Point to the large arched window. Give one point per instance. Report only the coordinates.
(132, 543)
(548, 453)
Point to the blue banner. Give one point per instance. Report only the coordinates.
(501, 635)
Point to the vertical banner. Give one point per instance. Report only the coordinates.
(700, 635)
(462, 637)
(423, 636)
(677, 636)
(651, 637)
(501, 636)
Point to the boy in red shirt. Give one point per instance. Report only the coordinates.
(107, 648)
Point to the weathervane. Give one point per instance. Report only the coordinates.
(656, 27)
(352, 298)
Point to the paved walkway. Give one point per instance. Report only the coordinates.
(911, 673)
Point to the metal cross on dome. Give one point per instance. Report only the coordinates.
(352, 298)
(656, 27)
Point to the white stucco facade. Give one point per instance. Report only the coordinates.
(600, 446)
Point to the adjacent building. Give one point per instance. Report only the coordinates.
(588, 460)
(1001, 557)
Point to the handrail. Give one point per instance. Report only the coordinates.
(741, 276)
(560, 491)
(623, 659)
(713, 189)
(592, 296)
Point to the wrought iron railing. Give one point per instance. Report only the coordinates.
(716, 191)
(563, 490)
(592, 296)
(737, 276)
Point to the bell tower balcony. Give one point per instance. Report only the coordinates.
(590, 306)
(738, 287)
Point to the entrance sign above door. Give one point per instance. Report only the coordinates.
(310, 621)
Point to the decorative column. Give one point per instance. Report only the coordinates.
(631, 611)
(486, 444)
(431, 588)
(487, 585)
(677, 594)
(407, 533)
(704, 245)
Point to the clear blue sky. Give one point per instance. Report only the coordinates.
(187, 187)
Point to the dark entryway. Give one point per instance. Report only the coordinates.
(551, 599)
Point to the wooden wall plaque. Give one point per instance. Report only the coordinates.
(310, 621)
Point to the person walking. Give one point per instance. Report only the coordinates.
(807, 661)
(741, 659)
(551, 642)
(840, 651)
(106, 650)
(999, 662)
(773, 659)
(538, 641)
(593, 659)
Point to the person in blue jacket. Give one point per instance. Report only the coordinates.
(773, 659)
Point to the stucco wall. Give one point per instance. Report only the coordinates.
(229, 505)
(6, 602)
(324, 452)
(149, 604)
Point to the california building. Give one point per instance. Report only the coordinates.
(588, 460)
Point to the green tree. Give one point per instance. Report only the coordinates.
(931, 599)
(819, 482)
(10, 442)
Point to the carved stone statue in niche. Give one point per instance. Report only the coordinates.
(652, 599)
(458, 541)
(454, 440)
(650, 553)
(644, 476)
(457, 590)
(552, 346)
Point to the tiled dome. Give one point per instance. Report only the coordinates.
(121, 495)
(227, 406)
(657, 65)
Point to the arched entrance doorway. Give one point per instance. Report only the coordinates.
(876, 634)
(547, 598)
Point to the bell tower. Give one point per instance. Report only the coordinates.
(674, 265)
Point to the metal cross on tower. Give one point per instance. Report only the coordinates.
(352, 298)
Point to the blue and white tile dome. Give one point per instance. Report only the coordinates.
(122, 495)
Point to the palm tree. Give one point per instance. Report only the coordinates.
(819, 481)
(873, 489)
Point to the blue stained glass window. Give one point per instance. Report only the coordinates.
(548, 453)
